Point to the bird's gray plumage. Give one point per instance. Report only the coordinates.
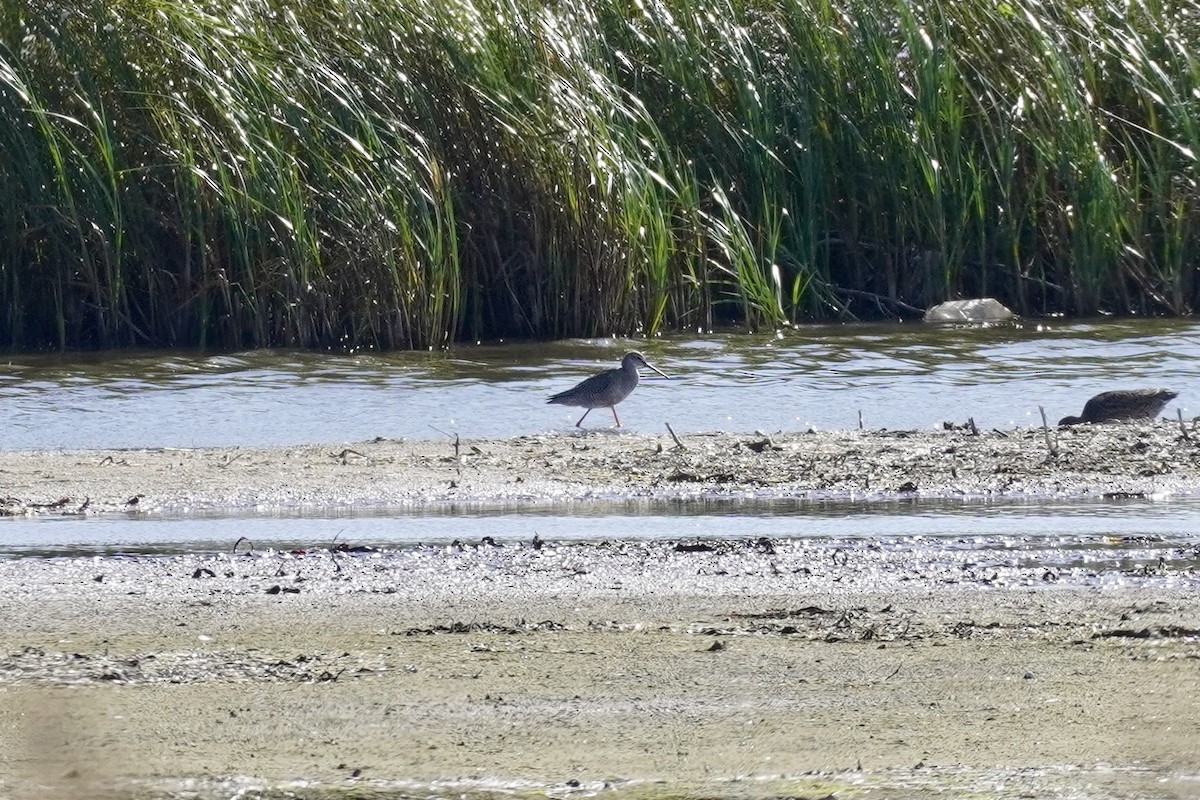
(1122, 404)
(606, 389)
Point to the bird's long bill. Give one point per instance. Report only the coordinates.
(656, 369)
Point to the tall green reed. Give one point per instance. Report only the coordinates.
(406, 174)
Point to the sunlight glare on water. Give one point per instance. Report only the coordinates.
(897, 376)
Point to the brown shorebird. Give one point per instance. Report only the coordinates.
(1122, 404)
(606, 389)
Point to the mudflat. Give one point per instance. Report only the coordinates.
(720, 668)
(1156, 458)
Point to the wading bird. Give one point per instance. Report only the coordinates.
(606, 389)
(1122, 404)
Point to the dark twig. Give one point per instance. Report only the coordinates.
(344, 456)
(444, 433)
(59, 503)
(241, 539)
(333, 550)
(229, 459)
(1182, 427)
(879, 300)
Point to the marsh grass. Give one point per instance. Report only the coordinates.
(405, 174)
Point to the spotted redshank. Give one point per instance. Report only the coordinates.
(606, 389)
(1122, 404)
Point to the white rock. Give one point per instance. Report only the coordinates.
(985, 309)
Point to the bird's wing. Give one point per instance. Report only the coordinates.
(594, 385)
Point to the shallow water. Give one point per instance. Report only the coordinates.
(896, 376)
(931, 525)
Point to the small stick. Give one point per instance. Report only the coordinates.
(229, 459)
(860, 422)
(444, 433)
(333, 550)
(1182, 427)
(678, 444)
(1046, 430)
(344, 456)
(971, 422)
(241, 539)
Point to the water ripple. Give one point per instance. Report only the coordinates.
(896, 376)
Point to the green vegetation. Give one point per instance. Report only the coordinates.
(403, 173)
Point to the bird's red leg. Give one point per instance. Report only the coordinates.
(618, 419)
(577, 424)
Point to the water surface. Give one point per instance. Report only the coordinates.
(937, 523)
(895, 376)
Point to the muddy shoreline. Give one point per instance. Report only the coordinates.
(765, 668)
(1150, 459)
